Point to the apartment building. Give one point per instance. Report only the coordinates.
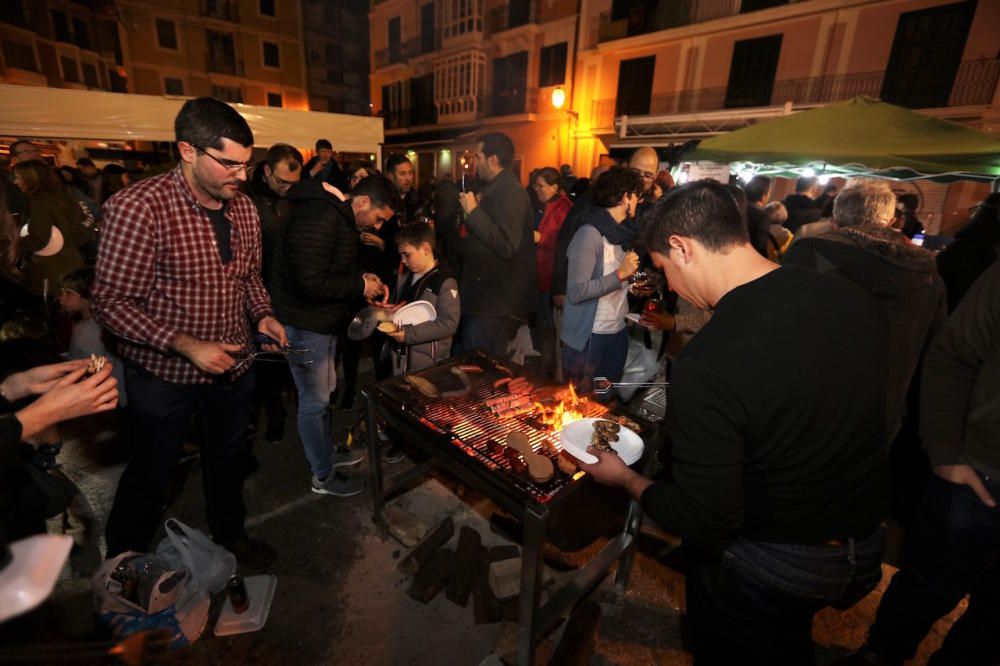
(336, 46)
(445, 71)
(664, 72)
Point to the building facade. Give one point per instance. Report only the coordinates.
(336, 48)
(445, 71)
(663, 72)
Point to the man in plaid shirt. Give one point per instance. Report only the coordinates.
(178, 283)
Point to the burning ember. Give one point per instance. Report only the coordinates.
(569, 408)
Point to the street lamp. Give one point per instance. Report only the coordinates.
(558, 97)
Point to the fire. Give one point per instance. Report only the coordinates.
(568, 409)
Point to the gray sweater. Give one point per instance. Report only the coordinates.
(586, 283)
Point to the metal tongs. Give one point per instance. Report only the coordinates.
(604, 385)
(262, 355)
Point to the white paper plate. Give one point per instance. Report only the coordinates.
(414, 313)
(575, 438)
(29, 578)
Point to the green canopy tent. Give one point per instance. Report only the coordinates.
(862, 136)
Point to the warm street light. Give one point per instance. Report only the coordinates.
(558, 97)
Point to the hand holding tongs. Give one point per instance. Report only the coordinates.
(604, 385)
(263, 339)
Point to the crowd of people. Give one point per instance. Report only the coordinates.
(795, 334)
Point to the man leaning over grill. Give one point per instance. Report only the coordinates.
(778, 484)
(316, 281)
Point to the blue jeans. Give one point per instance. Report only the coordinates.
(952, 549)
(603, 356)
(756, 604)
(314, 383)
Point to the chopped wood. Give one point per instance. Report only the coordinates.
(463, 576)
(425, 550)
(433, 577)
(404, 526)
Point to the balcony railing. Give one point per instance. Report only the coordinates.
(501, 18)
(397, 53)
(649, 17)
(223, 10)
(223, 65)
(502, 105)
(975, 83)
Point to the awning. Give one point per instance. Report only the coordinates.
(59, 113)
(861, 136)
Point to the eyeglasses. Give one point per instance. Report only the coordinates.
(229, 165)
(646, 175)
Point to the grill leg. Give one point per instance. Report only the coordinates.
(375, 468)
(531, 579)
(633, 520)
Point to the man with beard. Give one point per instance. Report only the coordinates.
(399, 171)
(178, 282)
(499, 282)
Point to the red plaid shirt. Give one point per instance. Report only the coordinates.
(159, 274)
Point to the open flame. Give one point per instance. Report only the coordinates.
(568, 409)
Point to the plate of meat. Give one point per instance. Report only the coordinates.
(601, 434)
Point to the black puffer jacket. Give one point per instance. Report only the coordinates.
(317, 275)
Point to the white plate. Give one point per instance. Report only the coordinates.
(29, 578)
(260, 594)
(575, 438)
(414, 313)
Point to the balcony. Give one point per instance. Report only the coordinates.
(217, 64)
(512, 105)
(674, 14)
(505, 17)
(397, 53)
(222, 10)
(974, 83)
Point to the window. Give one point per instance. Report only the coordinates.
(60, 27)
(428, 36)
(926, 53)
(274, 99)
(272, 55)
(12, 12)
(552, 71)
(173, 86)
(221, 56)
(423, 111)
(635, 86)
(458, 83)
(232, 94)
(21, 56)
(751, 75)
(334, 63)
(518, 13)
(510, 76)
(81, 34)
(394, 108)
(462, 16)
(267, 8)
(395, 47)
(166, 34)
(90, 75)
(108, 31)
(755, 5)
(118, 82)
(71, 72)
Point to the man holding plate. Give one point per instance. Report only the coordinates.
(778, 479)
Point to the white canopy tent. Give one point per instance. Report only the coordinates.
(59, 113)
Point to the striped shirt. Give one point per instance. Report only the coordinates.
(159, 275)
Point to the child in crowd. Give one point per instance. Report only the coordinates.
(74, 299)
(423, 345)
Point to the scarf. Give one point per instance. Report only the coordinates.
(623, 234)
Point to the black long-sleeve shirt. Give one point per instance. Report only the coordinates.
(777, 417)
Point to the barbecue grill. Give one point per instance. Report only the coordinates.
(457, 433)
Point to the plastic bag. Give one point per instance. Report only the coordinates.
(184, 618)
(209, 564)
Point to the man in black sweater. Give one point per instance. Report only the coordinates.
(778, 479)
